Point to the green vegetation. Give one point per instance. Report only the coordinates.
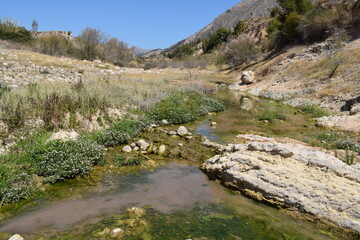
(11, 30)
(239, 28)
(182, 51)
(59, 160)
(181, 108)
(271, 116)
(301, 21)
(315, 111)
(215, 40)
(32, 160)
(119, 132)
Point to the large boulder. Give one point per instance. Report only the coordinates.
(248, 77)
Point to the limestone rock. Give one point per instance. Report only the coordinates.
(355, 109)
(16, 237)
(292, 175)
(143, 145)
(127, 149)
(116, 232)
(64, 136)
(161, 150)
(182, 131)
(247, 77)
(164, 122)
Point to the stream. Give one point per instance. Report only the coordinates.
(180, 201)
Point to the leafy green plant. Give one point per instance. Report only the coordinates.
(119, 132)
(15, 183)
(60, 160)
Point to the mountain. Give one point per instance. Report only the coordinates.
(139, 51)
(246, 9)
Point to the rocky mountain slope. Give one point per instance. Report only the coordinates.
(247, 9)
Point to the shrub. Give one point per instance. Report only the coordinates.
(53, 45)
(11, 30)
(13, 113)
(241, 51)
(182, 51)
(15, 183)
(116, 52)
(317, 24)
(271, 116)
(239, 27)
(348, 145)
(314, 111)
(215, 40)
(60, 160)
(329, 137)
(119, 132)
(184, 107)
(90, 42)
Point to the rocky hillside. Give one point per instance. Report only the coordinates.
(247, 9)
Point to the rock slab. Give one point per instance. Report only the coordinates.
(292, 175)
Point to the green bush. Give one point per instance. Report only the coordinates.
(119, 132)
(215, 40)
(271, 116)
(239, 27)
(184, 107)
(11, 30)
(182, 51)
(59, 160)
(15, 183)
(314, 111)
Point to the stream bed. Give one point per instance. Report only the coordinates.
(180, 201)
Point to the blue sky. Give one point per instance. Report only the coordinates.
(147, 24)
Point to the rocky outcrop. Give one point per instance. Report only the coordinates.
(344, 122)
(292, 175)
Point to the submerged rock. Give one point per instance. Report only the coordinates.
(246, 104)
(292, 175)
(161, 150)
